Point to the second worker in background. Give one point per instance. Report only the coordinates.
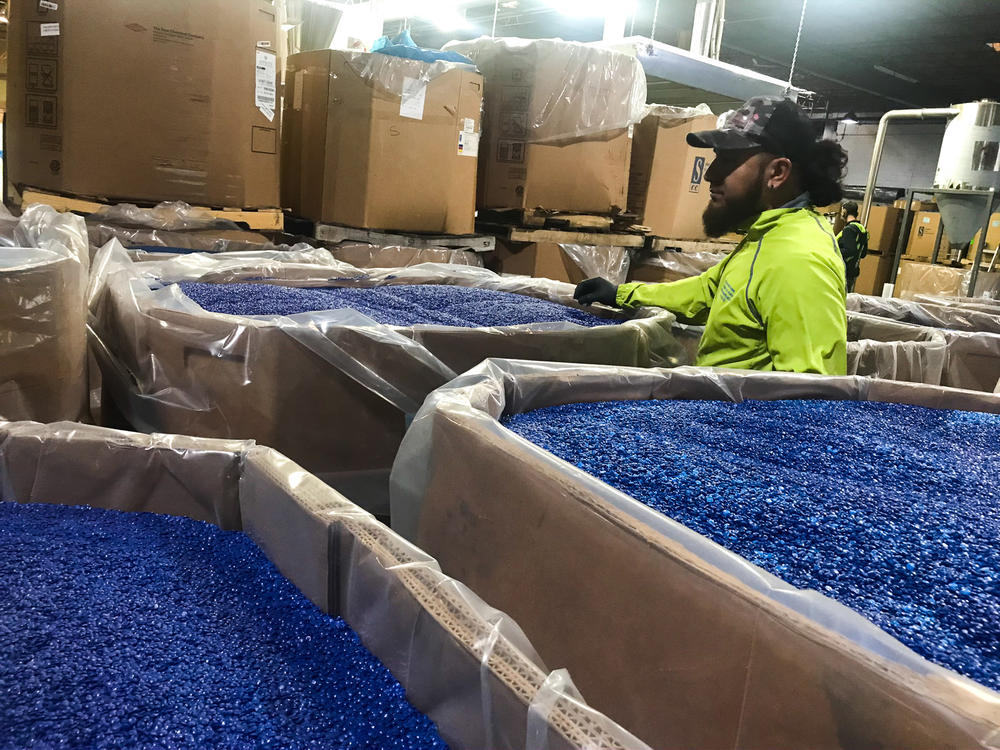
(777, 302)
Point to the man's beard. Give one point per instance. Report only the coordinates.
(732, 212)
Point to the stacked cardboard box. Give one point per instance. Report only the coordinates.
(145, 100)
(923, 233)
(667, 188)
(557, 131)
(381, 142)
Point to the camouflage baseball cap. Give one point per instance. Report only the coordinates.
(776, 124)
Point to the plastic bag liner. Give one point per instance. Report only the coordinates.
(670, 115)
(170, 216)
(43, 344)
(883, 349)
(576, 90)
(466, 665)
(203, 240)
(929, 312)
(723, 655)
(395, 75)
(668, 267)
(972, 359)
(331, 389)
(363, 255)
(611, 263)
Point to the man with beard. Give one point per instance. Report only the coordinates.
(777, 302)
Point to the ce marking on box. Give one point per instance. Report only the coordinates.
(43, 75)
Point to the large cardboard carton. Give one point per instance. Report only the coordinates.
(557, 125)
(874, 274)
(883, 228)
(924, 278)
(381, 142)
(923, 233)
(667, 188)
(143, 100)
(992, 235)
(569, 263)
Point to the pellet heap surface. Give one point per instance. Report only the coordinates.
(892, 510)
(136, 630)
(397, 304)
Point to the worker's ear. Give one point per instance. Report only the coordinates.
(778, 172)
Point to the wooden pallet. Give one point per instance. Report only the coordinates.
(479, 243)
(560, 237)
(540, 218)
(662, 244)
(256, 219)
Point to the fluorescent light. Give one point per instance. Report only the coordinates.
(849, 119)
(894, 74)
(592, 8)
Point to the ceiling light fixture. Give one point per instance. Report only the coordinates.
(849, 119)
(894, 74)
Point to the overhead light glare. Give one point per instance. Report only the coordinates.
(592, 8)
(995, 46)
(849, 119)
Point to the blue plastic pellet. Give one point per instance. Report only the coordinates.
(136, 630)
(397, 304)
(892, 510)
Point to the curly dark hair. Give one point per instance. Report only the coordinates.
(822, 170)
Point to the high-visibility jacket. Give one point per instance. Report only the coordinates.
(853, 242)
(777, 302)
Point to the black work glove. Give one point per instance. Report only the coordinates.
(596, 290)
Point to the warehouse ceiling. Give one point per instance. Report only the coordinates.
(859, 56)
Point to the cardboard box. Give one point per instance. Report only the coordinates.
(145, 100)
(992, 235)
(916, 205)
(666, 180)
(360, 150)
(874, 274)
(668, 267)
(543, 142)
(883, 227)
(923, 234)
(924, 278)
(569, 263)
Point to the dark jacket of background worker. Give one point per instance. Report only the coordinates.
(853, 241)
(777, 302)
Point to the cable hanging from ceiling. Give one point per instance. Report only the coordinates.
(798, 38)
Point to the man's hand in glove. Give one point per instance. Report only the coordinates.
(596, 290)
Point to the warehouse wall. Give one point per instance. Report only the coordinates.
(908, 160)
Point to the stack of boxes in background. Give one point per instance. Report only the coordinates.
(167, 101)
(884, 225)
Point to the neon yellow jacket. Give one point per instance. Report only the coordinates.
(777, 302)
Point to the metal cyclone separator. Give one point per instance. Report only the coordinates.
(969, 160)
(965, 182)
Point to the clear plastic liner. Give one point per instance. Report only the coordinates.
(723, 653)
(392, 74)
(212, 240)
(929, 312)
(611, 263)
(364, 255)
(669, 114)
(883, 349)
(171, 216)
(675, 266)
(43, 344)
(464, 664)
(565, 90)
(331, 388)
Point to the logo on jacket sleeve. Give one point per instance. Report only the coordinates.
(726, 291)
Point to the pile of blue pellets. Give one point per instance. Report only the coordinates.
(397, 305)
(892, 510)
(136, 630)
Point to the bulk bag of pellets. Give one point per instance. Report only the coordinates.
(164, 590)
(930, 311)
(326, 363)
(728, 559)
(43, 356)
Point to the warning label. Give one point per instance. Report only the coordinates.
(42, 75)
(40, 111)
(511, 152)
